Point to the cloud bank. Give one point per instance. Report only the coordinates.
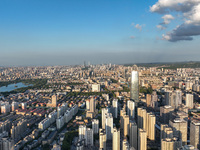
(190, 14)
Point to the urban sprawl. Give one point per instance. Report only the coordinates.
(99, 107)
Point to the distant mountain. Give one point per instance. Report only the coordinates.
(169, 65)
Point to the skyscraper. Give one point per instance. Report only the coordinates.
(116, 139)
(103, 117)
(89, 138)
(170, 143)
(133, 134)
(148, 99)
(115, 108)
(125, 145)
(189, 100)
(166, 131)
(151, 121)
(95, 126)
(131, 109)
(102, 139)
(135, 87)
(109, 126)
(179, 127)
(126, 125)
(173, 98)
(82, 132)
(195, 133)
(142, 119)
(165, 113)
(142, 139)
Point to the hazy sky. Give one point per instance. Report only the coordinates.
(64, 32)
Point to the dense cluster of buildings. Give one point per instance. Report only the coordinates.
(109, 107)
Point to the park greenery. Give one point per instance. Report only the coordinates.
(69, 136)
(146, 90)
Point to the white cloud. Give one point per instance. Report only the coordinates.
(167, 18)
(190, 12)
(138, 26)
(161, 27)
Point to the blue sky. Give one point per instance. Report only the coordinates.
(64, 32)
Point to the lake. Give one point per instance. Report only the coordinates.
(11, 87)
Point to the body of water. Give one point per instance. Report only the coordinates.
(11, 87)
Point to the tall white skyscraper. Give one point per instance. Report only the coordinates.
(95, 126)
(131, 109)
(103, 117)
(135, 86)
(109, 126)
(115, 108)
(116, 139)
(142, 139)
(82, 132)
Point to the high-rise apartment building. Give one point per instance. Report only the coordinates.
(179, 127)
(7, 144)
(133, 134)
(195, 133)
(109, 126)
(165, 113)
(116, 139)
(135, 87)
(154, 100)
(148, 99)
(89, 138)
(103, 117)
(166, 132)
(95, 126)
(151, 121)
(173, 98)
(14, 105)
(115, 108)
(131, 109)
(142, 139)
(102, 139)
(170, 144)
(142, 119)
(125, 145)
(126, 125)
(82, 132)
(189, 100)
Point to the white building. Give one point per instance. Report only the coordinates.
(82, 132)
(95, 126)
(109, 126)
(189, 100)
(96, 88)
(103, 117)
(131, 109)
(115, 108)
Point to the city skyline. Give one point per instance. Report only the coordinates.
(69, 32)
